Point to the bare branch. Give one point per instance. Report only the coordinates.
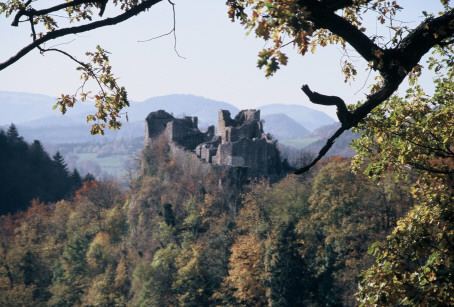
(170, 32)
(323, 151)
(18, 15)
(87, 67)
(79, 29)
(396, 62)
(328, 19)
(156, 37)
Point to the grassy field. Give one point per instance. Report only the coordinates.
(113, 165)
(299, 143)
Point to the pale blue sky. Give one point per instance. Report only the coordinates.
(220, 60)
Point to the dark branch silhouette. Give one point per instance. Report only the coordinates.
(102, 7)
(342, 112)
(174, 31)
(33, 13)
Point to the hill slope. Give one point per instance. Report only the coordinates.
(308, 118)
(341, 145)
(283, 127)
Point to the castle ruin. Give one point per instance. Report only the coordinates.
(239, 142)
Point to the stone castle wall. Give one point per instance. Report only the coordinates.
(240, 142)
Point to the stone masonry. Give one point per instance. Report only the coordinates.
(240, 142)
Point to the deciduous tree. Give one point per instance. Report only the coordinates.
(309, 24)
(414, 266)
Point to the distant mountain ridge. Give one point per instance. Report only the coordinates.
(181, 105)
(36, 119)
(37, 109)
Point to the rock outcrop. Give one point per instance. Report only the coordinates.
(239, 142)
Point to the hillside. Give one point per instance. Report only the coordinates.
(309, 118)
(341, 146)
(176, 237)
(282, 127)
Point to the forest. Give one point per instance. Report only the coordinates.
(28, 172)
(367, 230)
(373, 230)
(178, 237)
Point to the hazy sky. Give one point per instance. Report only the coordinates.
(220, 59)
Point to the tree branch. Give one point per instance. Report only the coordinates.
(395, 63)
(174, 28)
(342, 112)
(323, 17)
(335, 5)
(430, 169)
(32, 12)
(399, 61)
(323, 151)
(79, 29)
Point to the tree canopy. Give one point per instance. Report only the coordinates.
(414, 266)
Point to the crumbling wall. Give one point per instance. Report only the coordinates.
(182, 131)
(156, 123)
(246, 124)
(259, 155)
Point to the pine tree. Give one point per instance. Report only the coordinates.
(12, 133)
(60, 163)
(289, 282)
(75, 181)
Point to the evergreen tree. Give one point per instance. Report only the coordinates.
(75, 181)
(89, 177)
(37, 152)
(60, 163)
(16, 142)
(12, 133)
(27, 172)
(289, 282)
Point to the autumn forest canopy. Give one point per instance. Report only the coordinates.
(374, 230)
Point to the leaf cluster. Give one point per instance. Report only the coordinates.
(109, 100)
(415, 131)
